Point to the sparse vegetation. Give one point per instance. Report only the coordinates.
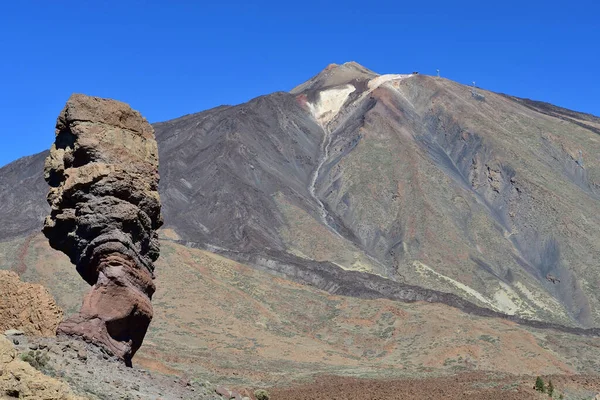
(511, 386)
(550, 388)
(539, 385)
(261, 394)
(37, 359)
(489, 339)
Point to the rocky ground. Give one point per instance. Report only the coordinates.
(19, 379)
(65, 369)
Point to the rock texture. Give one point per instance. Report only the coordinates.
(103, 173)
(20, 380)
(27, 307)
(88, 371)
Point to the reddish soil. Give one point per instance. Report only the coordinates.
(22, 254)
(480, 385)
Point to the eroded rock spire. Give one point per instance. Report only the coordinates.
(103, 173)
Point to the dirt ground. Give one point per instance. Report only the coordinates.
(488, 386)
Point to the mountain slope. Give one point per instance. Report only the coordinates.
(220, 170)
(486, 194)
(407, 177)
(23, 196)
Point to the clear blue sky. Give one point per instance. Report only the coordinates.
(170, 58)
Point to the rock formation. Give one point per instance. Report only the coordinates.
(27, 307)
(105, 210)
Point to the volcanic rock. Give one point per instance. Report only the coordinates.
(105, 210)
(27, 307)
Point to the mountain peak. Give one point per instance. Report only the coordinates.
(334, 75)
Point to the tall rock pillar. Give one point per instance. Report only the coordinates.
(105, 210)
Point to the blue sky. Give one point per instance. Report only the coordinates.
(170, 58)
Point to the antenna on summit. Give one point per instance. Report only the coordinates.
(475, 94)
(438, 72)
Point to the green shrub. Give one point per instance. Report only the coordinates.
(550, 388)
(539, 385)
(27, 357)
(36, 359)
(261, 394)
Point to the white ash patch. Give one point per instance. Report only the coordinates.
(330, 103)
(381, 79)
